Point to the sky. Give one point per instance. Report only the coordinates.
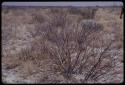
(113, 3)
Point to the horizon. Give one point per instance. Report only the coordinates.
(96, 3)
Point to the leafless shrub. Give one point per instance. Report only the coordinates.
(5, 33)
(29, 68)
(55, 10)
(58, 17)
(11, 62)
(5, 10)
(8, 33)
(73, 50)
(30, 53)
(38, 18)
(91, 25)
(38, 21)
(87, 13)
(25, 54)
(56, 20)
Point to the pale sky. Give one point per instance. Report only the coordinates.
(96, 3)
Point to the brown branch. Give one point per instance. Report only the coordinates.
(98, 62)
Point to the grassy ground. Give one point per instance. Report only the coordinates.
(19, 33)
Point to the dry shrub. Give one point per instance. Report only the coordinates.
(56, 20)
(5, 10)
(7, 34)
(58, 17)
(55, 10)
(29, 67)
(35, 53)
(12, 32)
(38, 18)
(91, 25)
(16, 11)
(80, 43)
(118, 35)
(86, 13)
(38, 44)
(11, 61)
(39, 24)
(30, 53)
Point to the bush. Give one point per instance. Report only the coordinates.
(91, 26)
(55, 10)
(58, 17)
(38, 18)
(86, 13)
(5, 10)
(73, 50)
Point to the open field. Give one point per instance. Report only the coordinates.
(62, 45)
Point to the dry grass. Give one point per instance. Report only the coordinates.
(28, 27)
(11, 61)
(28, 68)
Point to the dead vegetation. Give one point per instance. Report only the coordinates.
(86, 13)
(61, 45)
